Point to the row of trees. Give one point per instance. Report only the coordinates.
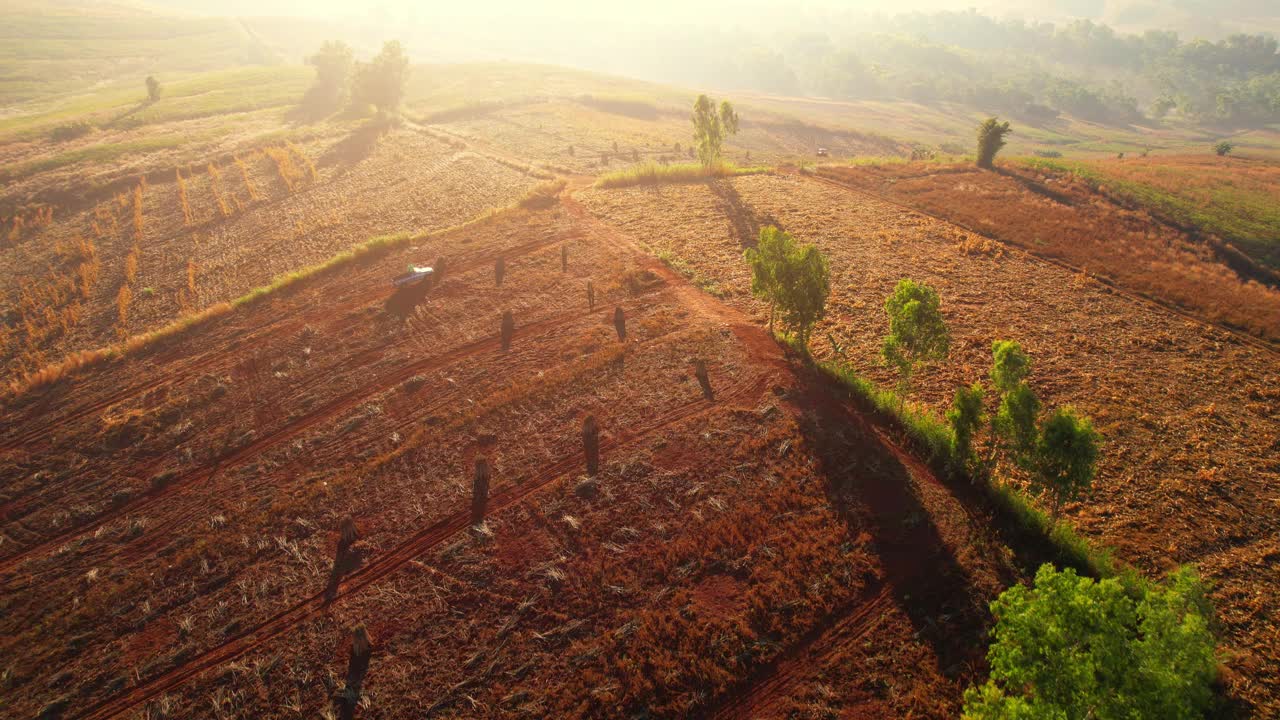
(1144, 651)
(341, 81)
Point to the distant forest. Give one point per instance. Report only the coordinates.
(1028, 70)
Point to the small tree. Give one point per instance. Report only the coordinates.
(1009, 365)
(153, 88)
(1015, 424)
(710, 128)
(802, 291)
(767, 259)
(1223, 148)
(1073, 647)
(333, 64)
(380, 82)
(965, 416)
(1066, 457)
(917, 331)
(990, 140)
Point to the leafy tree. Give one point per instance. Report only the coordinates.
(1066, 457)
(990, 140)
(791, 278)
(917, 331)
(380, 82)
(1072, 647)
(965, 416)
(766, 260)
(153, 88)
(802, 291)
(1009, 365)
(1223, 148)
(333, 64)
(710, 128)
(1015, 424)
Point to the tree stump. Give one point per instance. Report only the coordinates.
(508, 329)
(700, 372)
(591, 444)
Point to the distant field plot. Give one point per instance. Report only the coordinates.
(230, 226)
(1236, 199)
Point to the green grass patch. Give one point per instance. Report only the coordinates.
(651, 173)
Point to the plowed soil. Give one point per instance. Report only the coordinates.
(1190, 412)
(169, 520)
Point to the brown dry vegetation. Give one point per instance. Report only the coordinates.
(1191, 461)
(1062, 217)
(184, 515)
(285, 211)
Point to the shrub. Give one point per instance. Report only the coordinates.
(917, 331)
(1015, 424)
(153, 88)
(1223, 148)
(1073, 647)
(964, 417)
(71, 131)
(710, 127)
(990, 140)
(1066, 456)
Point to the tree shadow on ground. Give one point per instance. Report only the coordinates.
(742, 217)
(356, 146)
(875, 493)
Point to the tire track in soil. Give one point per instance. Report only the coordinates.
(330, 410)
(779, 678)
(387, 563)
(1111, 286)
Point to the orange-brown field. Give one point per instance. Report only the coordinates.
(184, 573)
(1188, 411)
(170, 511)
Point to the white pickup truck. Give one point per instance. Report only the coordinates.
(415, 274)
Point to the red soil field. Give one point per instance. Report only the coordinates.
(1189, 412)
(169, 519)
(1061, 217)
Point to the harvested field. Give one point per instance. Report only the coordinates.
(228, 227)
(1063, 217)
(168, 545)
(1189, 412)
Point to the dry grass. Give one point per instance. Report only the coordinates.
(244, 177)
(182, 196)
(1066, 219)
(651, 173)
(286, 170)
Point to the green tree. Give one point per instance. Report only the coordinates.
(792, 278)
(766, 260)
(1015, 425)
(1066, 457)
(1072, 647)
(917, 331)
(990, 140)
(710, 128)
(965, 416)
(802, 291)
(1009, 365)
(153, 88)
(1223, 148)
(380, 82)
(333, 64)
